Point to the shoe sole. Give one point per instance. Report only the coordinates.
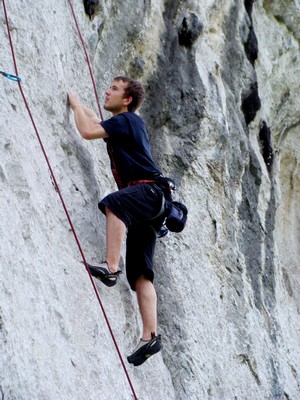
(108, 280)
(143, 355)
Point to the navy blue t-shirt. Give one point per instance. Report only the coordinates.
(129, 149)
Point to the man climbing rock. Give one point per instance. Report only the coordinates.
(138, 207)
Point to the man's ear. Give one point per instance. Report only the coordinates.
(127, 101)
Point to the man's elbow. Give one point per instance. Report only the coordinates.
(86, 135)
(90, 133)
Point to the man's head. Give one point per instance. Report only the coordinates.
(125, 94)
(134, 90)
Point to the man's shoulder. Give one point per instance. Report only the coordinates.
(134, 119)
(124, 123)
(125, 116)
(131, 116)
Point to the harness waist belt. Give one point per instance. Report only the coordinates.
(132, 183)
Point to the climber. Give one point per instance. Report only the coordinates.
(139, 206)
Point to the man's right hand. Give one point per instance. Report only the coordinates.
(73, 100)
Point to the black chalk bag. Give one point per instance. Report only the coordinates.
(177, 217)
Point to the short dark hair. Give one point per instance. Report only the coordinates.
(135, 90)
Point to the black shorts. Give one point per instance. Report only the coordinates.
(138, 207)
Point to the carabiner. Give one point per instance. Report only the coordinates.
(12, 77)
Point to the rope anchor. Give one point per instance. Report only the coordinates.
(12, 77)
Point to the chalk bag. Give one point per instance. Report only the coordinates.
(177, 217)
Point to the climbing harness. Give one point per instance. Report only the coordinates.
(11, 76)
(53, 178)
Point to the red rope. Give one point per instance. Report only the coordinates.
(57, 187)
(87, 58)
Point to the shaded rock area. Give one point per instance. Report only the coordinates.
(222, 110)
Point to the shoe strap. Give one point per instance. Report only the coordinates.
(112, 273)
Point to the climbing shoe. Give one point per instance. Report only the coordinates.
(145, 349)
(103, 273)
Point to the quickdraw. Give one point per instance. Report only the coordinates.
(12, 77)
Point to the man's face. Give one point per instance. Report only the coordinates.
(115, 102)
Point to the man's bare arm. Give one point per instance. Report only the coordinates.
(87, 122)
(90, 113)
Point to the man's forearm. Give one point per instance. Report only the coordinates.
(87, 122)
(91, 114)
(82, 120)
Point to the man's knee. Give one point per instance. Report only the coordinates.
(141, 281)
(108, 211)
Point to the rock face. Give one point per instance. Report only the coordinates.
(222, 109)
